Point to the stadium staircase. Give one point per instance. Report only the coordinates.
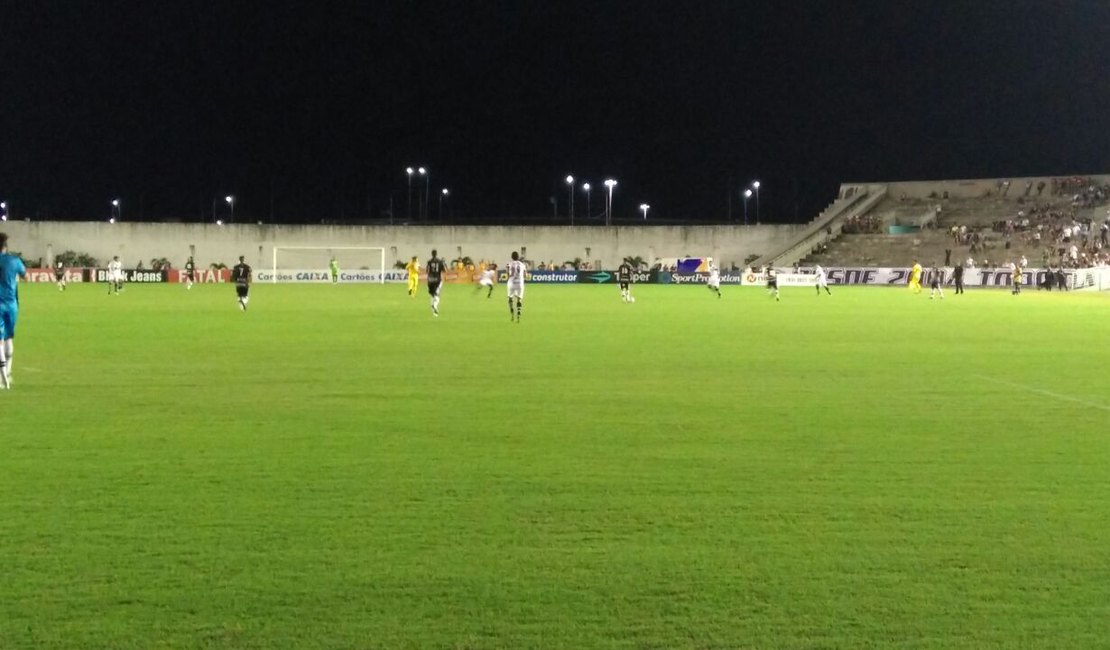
(831, 220)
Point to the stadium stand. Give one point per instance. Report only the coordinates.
(1048, 221)
(853, 202)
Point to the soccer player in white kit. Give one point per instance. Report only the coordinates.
(488, 279)
(714, 282)
(115, 275)
(822, 280)
(515, 285)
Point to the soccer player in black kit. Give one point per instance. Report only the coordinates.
(436, 270)
(60, 275)
(190, 273)
(936, 283)
(958, 277)
(772, 282)
(624, 278)
(241, 276)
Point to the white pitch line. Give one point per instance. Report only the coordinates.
(1046, 393)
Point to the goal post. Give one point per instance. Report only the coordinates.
(312, 263)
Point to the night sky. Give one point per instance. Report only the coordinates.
(322, 105)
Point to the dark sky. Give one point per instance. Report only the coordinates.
(323, 104)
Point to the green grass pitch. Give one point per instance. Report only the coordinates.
(334, 468)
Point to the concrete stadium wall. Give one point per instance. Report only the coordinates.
(210, 243)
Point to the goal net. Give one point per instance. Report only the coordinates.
(313, 263)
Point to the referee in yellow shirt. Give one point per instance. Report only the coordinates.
(915, 277)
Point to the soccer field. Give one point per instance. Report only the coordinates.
(334, 468)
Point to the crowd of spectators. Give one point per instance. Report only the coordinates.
(1056, 232)
(1063, 238)
(864, 224)
(1084, 192)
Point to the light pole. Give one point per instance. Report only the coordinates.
(609, 183)
(586, 187)
(747, 195)
(408, 215)
(427, 179)
(231, 204)
(3, 210)
(570, 185)
(644, 207)
(117, 212)
(442, 195)
(755, 185)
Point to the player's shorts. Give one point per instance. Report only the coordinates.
(935, 284)
(115, 277)
(59, 276)
(433, 287)
(515, 290)
(773, 284)
(242, 290)
(9, 313)
(624, 286)
(486, 282)
(714, 284)
(822, 282)
(190, 276)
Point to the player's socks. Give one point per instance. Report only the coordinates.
(519, 306)
(490, 293)
(510, 308)
(3, 368)
(9, 354)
